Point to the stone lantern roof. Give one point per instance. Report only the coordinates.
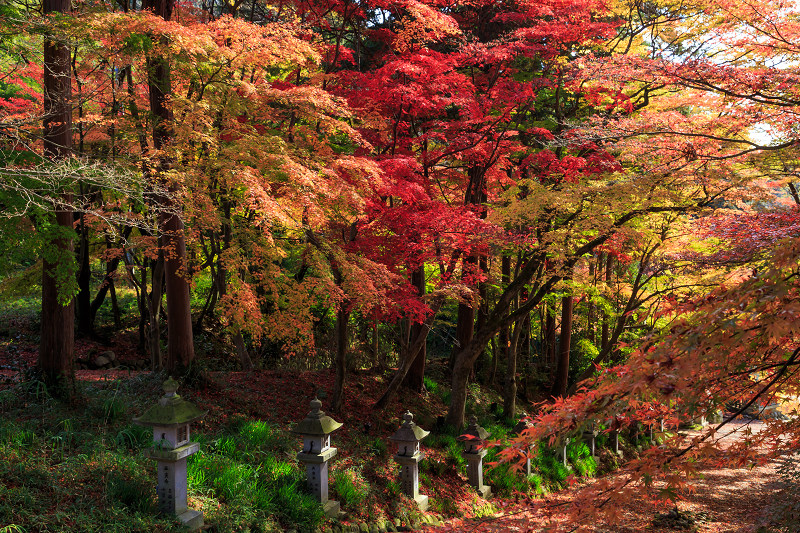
(171, 409)
(316, 422)
(474, 432)
(409, 431)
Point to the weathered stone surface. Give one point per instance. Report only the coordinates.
(100, 362)
(171, 448)
(108, 354)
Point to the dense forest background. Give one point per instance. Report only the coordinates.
(527, 194)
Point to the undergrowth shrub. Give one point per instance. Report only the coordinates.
(505, 481)
(431, 386)
(454, 457)
(351, 487)
(536, 484)
(127, 484)
(378, 448)
(579, 455)
(259, 436)
(134, 437)
(272, 487)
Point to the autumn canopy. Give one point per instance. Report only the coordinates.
(583, 203)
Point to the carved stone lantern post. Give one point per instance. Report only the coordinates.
(408, 437)
(474, 438)
(615, 443)
(170, 419)
(521, 426)
(316, 431)
(562, 450)
(590, 438)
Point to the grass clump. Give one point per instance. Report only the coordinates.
(257, 491)
(127, 484)
(351, 487)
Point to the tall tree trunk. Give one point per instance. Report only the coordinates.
(56, 348)
(413, 347)
(524, 355)
(108, 284)
(465, 323)
(380, 356)
(342, 318)
(242, 353)
(144, 306)
(508, 351)
(154, 310)
(609, 265)
(83, 299)
(415, 379)
(482, 311)
(590, 311)
(180, 342)
(549, 336)
(562, 373)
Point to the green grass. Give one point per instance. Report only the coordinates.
(83, 469)
(351, 488)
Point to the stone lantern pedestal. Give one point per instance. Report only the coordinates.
(562, 451)
(615, 443)
(590, 438)
(408, 457)
(474, 439)
(316, 431)
(170, 420)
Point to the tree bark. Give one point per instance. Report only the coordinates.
(154, 310)
(609, 264)
(590, 311)
(508, 350)
(180, 341)
(414, 347)
(549, 336)
(242, 353)
(83, 299)
(415, 379)
(562, 372)
(342, 318)
(108, 284)
(56, 348)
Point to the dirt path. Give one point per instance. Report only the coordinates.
(730, 500)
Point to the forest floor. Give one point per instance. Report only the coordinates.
(722, 500)
(755, 499)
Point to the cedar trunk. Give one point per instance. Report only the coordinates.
(562, 372)
(180, 342)
(56, 348)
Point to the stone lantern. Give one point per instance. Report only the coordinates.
(170, 419)
(590, 438)
(523, 424)
(408, 437)
(615, 443)
(316, 431)
(474, 439)
(562, 450)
